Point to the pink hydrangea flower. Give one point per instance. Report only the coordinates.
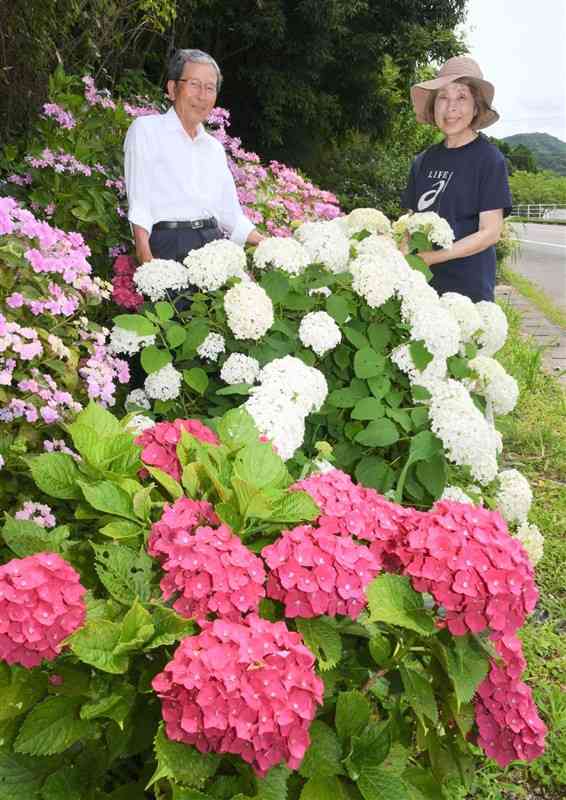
(247, 688)
(179, 521)
(318, 571)
(465, 558)
(160, 442)
(41, 603)
(509, 726)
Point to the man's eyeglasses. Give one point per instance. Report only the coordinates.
(196, 86)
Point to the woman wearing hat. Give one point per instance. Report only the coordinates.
(463, 179)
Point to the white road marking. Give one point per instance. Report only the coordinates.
(546, 244)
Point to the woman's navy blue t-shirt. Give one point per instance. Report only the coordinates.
(458, 183)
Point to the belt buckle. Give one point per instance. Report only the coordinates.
(197, 224)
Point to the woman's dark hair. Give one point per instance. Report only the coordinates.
(479, 102)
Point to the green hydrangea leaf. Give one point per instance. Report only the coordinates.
(109, 498)
(391, 599)
(24, 537)
(125, 573)
(378, 434)
(57, 475)
(21, 776)
(368, 363)
(182, 763)
(169, 627)
(294, 507)
(237, 429)
(68, 783)
(368, 408)
(420, 355)
(117, 705)
(171, 486)
(466, 663)
(136, 629)
(322, 638)
(20, 689)
(259, 465)
(352, 714)
(369, 749)
(94, 644)
(154, 359)
(377, 784)
(419, 693)
(324, 756)
(51, 727)
(323, 788)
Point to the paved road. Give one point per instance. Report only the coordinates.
(543, 258)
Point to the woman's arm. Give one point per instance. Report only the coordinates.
(491, 224)
(255, 237)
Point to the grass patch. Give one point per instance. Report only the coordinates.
(532, 221)
(534, 437)
(533, 293)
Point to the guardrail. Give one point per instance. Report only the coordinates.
(536, 211)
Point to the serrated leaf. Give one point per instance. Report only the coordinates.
(20, 689)
(352, 714)
(320, 788)
(100, 419)
(125, 573)
(368, 749)
(237, 429)
(171, 486)
(116, 706)
(324, 756)
(274, 785)
(380, 648)
(24, 537)
(66, 784)
(51, 727)
(377, 784)
(258, 465)
(465, 662)
(182, 763)
(121, 529)
(109, 498)
(322, 638)
(391, 599)
(368, 363)
(419, 693)
(294, 507)
(56, 474)
(94, 644)
(169, 627)
(136, 629)
(21, 776)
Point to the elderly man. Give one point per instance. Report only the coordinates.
(181, 193)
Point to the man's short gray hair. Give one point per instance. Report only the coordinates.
(180, 57)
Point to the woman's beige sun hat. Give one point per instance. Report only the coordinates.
(453, 70)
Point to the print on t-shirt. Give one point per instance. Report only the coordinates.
(442, 178)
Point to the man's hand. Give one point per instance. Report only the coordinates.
(255, 237)
(143, 254)
(143, 250)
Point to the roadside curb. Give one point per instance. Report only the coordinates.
(547, 335)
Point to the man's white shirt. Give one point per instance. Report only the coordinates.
(172, 177)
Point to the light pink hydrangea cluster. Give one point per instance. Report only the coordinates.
(361, 512)
(97, 97)
(247, 688)
(209, 567)
(102, 371)
(43, 400)
(318, 571)
(477, 573)
(59, 162)
(40, 513)
(60, 446)
(144, 108)
(20, 180)
(63, 118)
(160, 442)
(509, 726)
(41, 603)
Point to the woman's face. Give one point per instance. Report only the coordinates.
(454, 109)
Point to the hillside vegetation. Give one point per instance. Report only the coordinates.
(549, 151)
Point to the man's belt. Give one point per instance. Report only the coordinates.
(193, 224)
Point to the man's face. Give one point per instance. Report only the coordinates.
(194, 95)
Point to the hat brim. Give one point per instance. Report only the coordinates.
(420, 93)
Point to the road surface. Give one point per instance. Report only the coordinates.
(543, 258)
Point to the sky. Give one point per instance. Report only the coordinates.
(520, 46)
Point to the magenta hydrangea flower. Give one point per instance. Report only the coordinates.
(465, 558)
(247, 688)
(319, 571)
(179, 521)
(215, 573)
(160, 442)
(361, 512)
(509, 726)
(41, 603)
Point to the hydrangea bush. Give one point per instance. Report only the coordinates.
(322, 640)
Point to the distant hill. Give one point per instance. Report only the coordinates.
(549, 151)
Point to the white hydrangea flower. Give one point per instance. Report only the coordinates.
(239, 368)
(494, 328)
(138, 424)
(211, 266)
(282, 253)
(532, 540)
(155, 278)
(464, 312)
(137, 397)
(249, 311)
(514, 497)
(128, 342)
(213, 345)
(497, 386)
(326, 244)
(414, 290)
(368, 219)
(291, 377)
(278, 418)
(433, 325)
(456, 494)
(468, 439)
(433, 226)
(165, 384)
(379, 270)
(435, 370)
(320, 332)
